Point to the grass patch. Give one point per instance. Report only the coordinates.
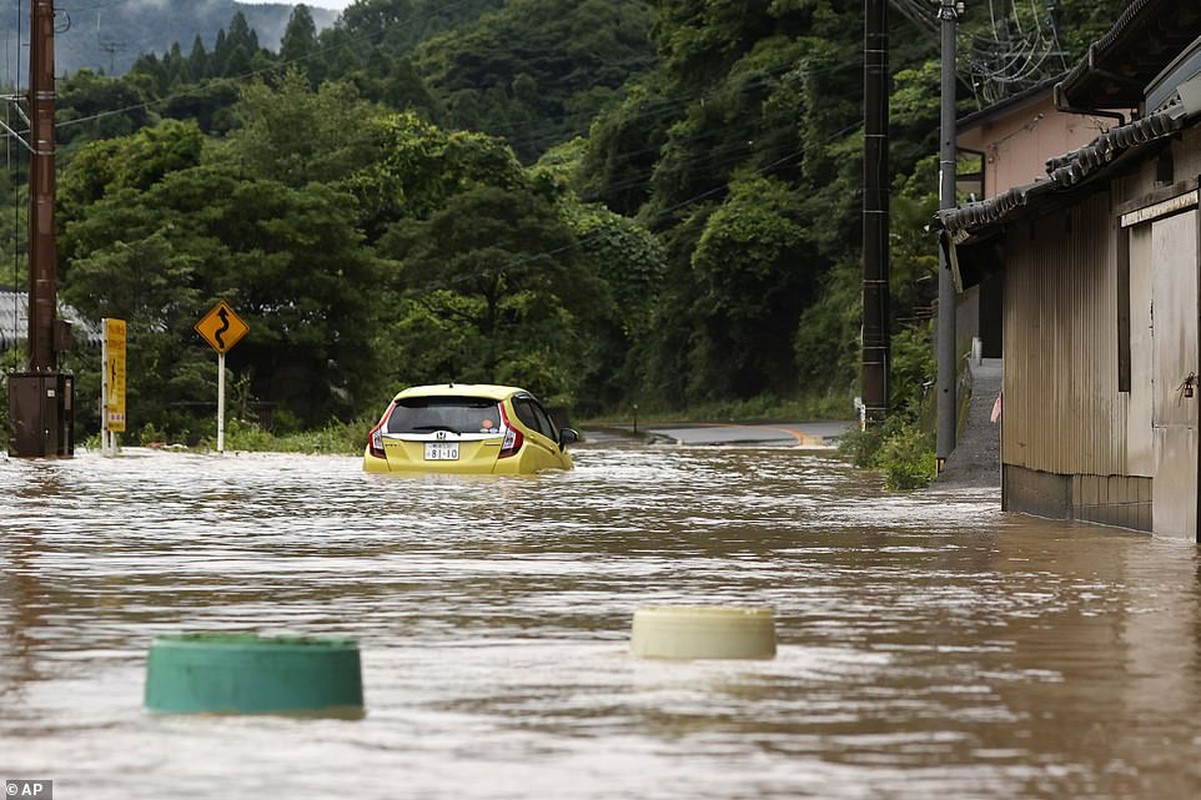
(336, 438)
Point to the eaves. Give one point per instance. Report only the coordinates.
(1106, 155)
(1118, 66)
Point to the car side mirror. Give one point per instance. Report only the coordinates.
(568, 436)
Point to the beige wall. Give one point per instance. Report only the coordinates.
(1016, 145)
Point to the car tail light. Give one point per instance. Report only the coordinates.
(375, 439)
(513, 438)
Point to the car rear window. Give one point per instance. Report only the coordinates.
(457, 414)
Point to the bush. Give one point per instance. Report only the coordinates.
(901, 450)
(860, 447)
(913, 369)
(907, 459)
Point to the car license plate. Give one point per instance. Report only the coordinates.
(441, 451)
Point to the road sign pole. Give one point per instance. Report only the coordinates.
(221, 402)
(222, 329)
(104, 379)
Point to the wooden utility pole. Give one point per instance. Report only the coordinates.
(875, 211)
(43, 281)
(41, 399)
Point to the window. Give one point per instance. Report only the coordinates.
(530, 412)
(456, 414)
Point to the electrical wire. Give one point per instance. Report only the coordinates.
(1012, 57)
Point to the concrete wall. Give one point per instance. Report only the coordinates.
(1117, 500)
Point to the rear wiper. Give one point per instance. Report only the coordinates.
(446, 428)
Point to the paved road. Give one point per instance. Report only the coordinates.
(976, 459)
(816, 435)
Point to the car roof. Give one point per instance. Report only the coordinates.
(488, 390)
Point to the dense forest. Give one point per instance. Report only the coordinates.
(611, 202)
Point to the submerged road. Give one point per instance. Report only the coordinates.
(930, 645)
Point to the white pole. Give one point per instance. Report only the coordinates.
(221, 402)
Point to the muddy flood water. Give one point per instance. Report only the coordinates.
(930, 646)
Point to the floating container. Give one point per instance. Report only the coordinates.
(694, 632)
(224, 673)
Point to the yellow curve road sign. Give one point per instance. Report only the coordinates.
(221, 327)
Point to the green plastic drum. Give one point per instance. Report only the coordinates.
(247, 674)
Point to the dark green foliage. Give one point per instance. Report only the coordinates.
(623, 149)
(630, 264)
(416, 167)
(691, 235)
(754, 109)
(292, 134)
(538, 71)
(373, 43)
(907, 459)
(913, 372)
(827, 345)
(289, 260)
(108, 36)
(499, 267)
(755, 267)
(901, 446)
(86, 104)
(300, 37)
(1086, 22)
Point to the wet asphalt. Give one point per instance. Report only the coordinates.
(813, 435)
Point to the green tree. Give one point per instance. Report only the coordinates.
(91, 106)
(198, 61)
(623, 148)
(300, 38)
(290, 259)
(755, 267)
(417, 168)
(501, 266)
(537, 71)
(295, 135)
(629, 261)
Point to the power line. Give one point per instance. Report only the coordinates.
(1010, 57)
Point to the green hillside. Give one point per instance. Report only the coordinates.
(612, 202)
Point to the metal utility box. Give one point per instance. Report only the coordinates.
(41, 414)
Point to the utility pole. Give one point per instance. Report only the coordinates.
(43, 281)
(110, 47)
(41, 399)
(875, 211)
(947, 405)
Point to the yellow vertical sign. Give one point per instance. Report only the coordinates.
(114, 375)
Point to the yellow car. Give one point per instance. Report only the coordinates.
(467, 428)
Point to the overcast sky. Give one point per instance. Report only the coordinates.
(334, 4)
